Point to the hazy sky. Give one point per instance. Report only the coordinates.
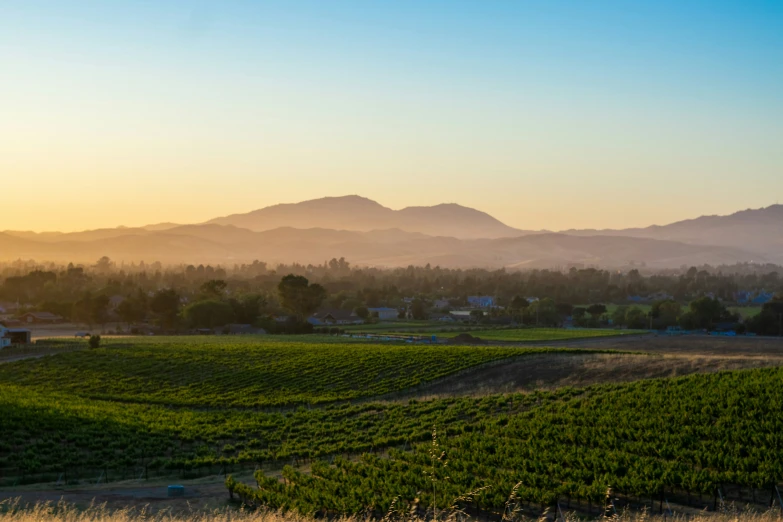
(546, 114)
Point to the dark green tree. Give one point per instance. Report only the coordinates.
(208, 314)
(299, 296)
(165, 304)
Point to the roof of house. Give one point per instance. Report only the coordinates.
(336, 314)
(382, 309)
(44, 316)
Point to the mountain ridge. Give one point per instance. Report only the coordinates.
(366, 232)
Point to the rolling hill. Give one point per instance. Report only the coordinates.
(362, 214)
(367, 233)
(385, 248)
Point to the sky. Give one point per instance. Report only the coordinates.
(546, 114)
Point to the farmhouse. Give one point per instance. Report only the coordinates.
(330, 317)
(461, 315)
(243, 329)
(481, 301)
(9, 336)
(384, 314)
(40, 318)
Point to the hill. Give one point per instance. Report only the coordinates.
(384, 248)
(361, 214)
(759, 230)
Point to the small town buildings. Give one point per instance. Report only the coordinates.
(441, 304)
(242, 329)
(461, 315)
(481, 301)
(40, 318)
(334, 317)
(384, 314)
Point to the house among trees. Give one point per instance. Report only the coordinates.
(481, 301)
(384, 314)
(334, 317)
(40, 318)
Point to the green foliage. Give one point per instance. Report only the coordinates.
(695, 434)
(226, 371)
(299, 296)
(94, 341)
(770, 320)
(166, 305)
(208, 314)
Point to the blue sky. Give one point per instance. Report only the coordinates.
(545, 114)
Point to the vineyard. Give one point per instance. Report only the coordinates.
(191, 407)
(44, 434)
(651, 440)
(504, 334)
(244, 373)
(544, 334)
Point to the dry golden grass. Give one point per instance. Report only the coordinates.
(14, 511)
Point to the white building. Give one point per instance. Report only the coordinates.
(384, 314)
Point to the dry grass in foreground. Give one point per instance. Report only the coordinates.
(14, 511)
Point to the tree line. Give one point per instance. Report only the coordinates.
(207, 296)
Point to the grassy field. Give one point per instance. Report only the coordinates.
(544, 334)
(743, 311)
(487, 332)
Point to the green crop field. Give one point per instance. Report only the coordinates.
(226, 371)
(200, 405)
(658, 438)
(447, 331)
(543, 334)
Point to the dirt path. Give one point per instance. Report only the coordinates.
(202, 494)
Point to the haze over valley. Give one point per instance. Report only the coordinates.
(448, 235)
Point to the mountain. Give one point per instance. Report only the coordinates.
(758, 230)
(367, 233)
(384, 248)
(361, 214)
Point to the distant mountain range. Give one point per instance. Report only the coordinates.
(450, 235)
(362, 214)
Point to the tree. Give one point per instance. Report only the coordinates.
(82, 310)
(362, 312)
(208, 314)
(666, 313)
(517, 307)
(770, 320)
(213, 289)
(635, 318)
(596, 310)
(165, 304)
(619, 316)
(299, 296)
(99, 309)
(133, 309)
(476, 315)
(705, 312)
(418, 310)
(247, 308)
(543, 312)
(564, 309)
